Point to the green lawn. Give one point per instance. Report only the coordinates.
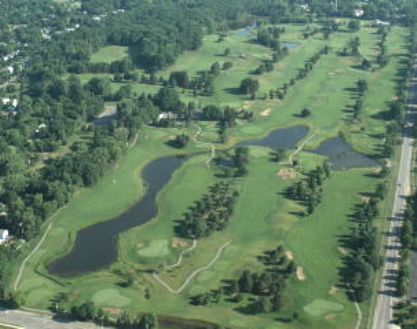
(263, 219)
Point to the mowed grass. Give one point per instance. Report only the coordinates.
(264, 219)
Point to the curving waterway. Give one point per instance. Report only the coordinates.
(95, 246)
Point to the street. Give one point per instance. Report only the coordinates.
(37, 321)
(386, 294)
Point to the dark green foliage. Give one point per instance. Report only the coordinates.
(179, 78)
(305, 113)
(249, 86)
(181, 141)
(310, 191)
(211, 213)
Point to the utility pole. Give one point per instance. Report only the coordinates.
(335, 5)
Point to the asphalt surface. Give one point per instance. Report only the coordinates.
(386, 294)
(31, 320)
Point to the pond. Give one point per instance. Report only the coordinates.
(245, 32)
(280, 139)
(342, 156)
(95, 246)
(289, 45)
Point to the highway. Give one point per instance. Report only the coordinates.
(31, 320)
(386, 294)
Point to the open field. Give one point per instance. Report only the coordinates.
(264, 218)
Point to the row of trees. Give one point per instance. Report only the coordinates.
(89, 312)
(209, 214)
(382, 58)
(363, 258)
(362, 87)
(280, 93)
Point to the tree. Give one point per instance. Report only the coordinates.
(305, 113)
(215, 69)
(362, 85)
(179, 78)
(149, 321)
(227, 65)
(276, 302)
(366, 64)
(245, 282)
(99, 86)
(354, 25)
(279, 155)
(168, 100)
(181, 141)
(249, 86)
(262, 305)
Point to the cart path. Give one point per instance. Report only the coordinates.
(193, 274)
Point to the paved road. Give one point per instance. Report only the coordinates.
(386, 294)
(37, 321)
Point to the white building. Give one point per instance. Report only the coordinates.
(10, 101)
(358, 12)
(4, 234)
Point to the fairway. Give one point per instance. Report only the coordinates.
(264, 216)
(109, 54)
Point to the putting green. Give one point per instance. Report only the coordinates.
(321, 306)
(110, 297)
(156, 248)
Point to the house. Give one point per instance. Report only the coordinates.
(10, 69)
(4, 234)
(358, 12)
(10, 101)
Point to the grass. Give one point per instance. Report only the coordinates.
(263, 219)
(109, 54)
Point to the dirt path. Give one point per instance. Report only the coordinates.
(179, 261)
(22, 266)
(301, 146)
(134, 140)
(193, 274)
(212, 147)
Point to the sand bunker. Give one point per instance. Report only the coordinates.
(300, 273)
(287, 173)
(115, 311)
(333, 290)
(266, 112)
(289, 255)
(330, 316)
(175, 243)
(342, 250)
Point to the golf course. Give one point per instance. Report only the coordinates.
(122, 244)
